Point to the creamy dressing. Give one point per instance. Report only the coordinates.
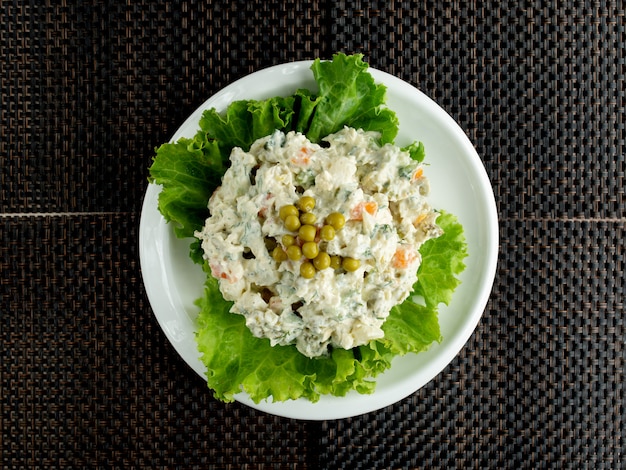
(381, 192)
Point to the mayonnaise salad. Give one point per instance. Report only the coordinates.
(381, 194)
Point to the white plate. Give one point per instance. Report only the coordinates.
(459, 184)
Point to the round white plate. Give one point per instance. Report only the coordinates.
(459, 184)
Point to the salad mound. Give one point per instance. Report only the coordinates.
(276, 269)
(190, 172)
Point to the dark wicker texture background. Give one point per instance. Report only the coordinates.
(89, 88)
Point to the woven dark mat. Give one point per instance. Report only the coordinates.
(88, 90)
(541, 383)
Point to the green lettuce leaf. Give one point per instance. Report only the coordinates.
(442, 261)
(416, 151)
(348, 96)
(190, 170)
(246, 121)
(414, 325)
(237, 361)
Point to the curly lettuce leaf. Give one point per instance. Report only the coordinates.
(442, 261)
(237, 361)
(246, 121)
(414, 325)
(190, 170)
(416, 151)
(348, 96)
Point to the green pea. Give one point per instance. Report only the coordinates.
(307, 270)
(306, 203)
(336, 220)
(335, 262)
(279, 254)
(292, 223)
(321, 261)
(284, 211)
(294, 252)
(310, 250)
(350, 264)
(288, 240)
(327, 233)
(308, 218)
(307, 233)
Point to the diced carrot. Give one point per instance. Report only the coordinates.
(264, 206)
(302, 157)
(219, 273)
(419, 219)
(418, 174)
(404, 257)
(365, 206)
